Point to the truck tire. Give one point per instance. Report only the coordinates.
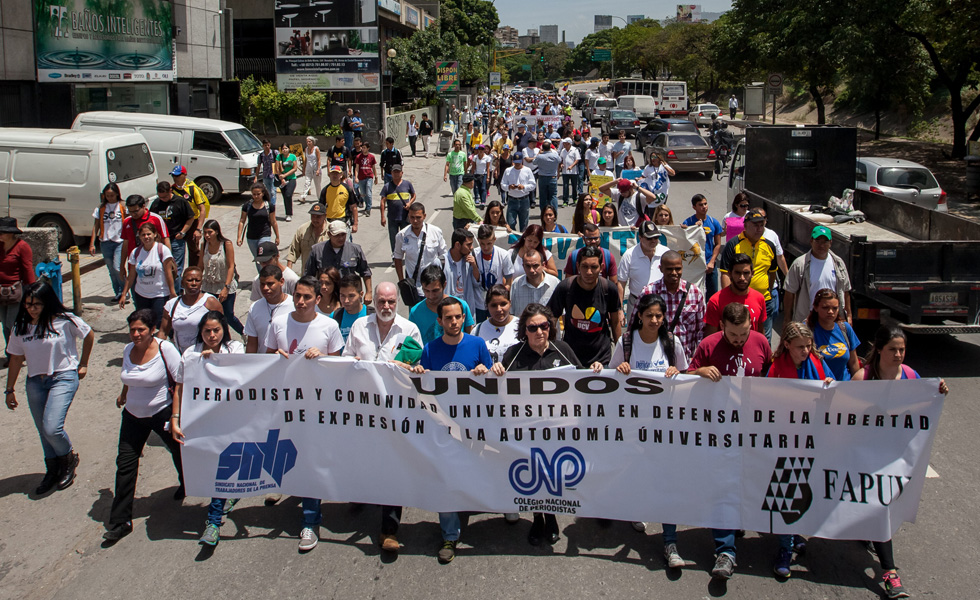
(66, 238)
(210, 187)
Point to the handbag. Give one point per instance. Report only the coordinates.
(11, 294)
(406, 287)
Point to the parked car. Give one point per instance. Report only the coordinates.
(701, 114)
(684, 151)
(581, 98)
(620, 120)
(645, 107)
(646, 135)
(900, 179)
(598, 107)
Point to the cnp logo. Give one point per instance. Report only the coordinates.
(274, 456)
(565, 468)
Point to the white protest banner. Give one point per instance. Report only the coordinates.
(536, 123)
(846, 461)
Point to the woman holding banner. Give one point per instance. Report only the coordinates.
(538, 349)
(886, 362)
(212, 338)
(795, 358)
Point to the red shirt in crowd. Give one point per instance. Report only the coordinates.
(751, 360)
(130, 227)
(754, 301)
(17, 264)
(365, 165)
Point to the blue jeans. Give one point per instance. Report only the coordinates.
(229, 307)
(670, 533)
(387, 177)
(349, 140)
(270, 184)
(619, 171)
(569, 181)
(112, 255)
(450, 525)
(154, 304)
(364, 188)
(8, 314)
(580, 183)
(253, 245)
(767, 326)
(480, 187)
(49, 397)
(711, 283)
(178, 248)
(455, 181)
(393, 228)
(216, 511)
(312, 517)
(517, 212)
(548, 186)
(724, 541)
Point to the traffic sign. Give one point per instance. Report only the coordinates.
(775, 80)
(494, 80)
(601, 55)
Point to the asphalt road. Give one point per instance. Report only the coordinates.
(51, 547)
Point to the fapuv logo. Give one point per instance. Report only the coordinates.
(789, 489)
(274, 456)
(566, 468)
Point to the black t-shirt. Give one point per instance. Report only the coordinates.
(520, 357)
(257, 223)
(175, 213)
(425, 127)
(587, 314)
(345, 124)
(390, 158)
(338, 156)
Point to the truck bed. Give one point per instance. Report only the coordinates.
(874, 233)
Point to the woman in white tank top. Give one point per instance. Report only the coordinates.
(183, 314)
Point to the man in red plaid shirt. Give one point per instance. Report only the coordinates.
(688, 327)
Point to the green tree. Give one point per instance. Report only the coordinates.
(269, 104)
(471, 21)
(306, 104)
(580, 59)
(625, 43)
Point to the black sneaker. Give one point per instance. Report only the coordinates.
(118, 532)
(448, 552)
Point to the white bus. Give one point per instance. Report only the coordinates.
(670, 96)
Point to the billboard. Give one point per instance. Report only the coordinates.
(689, 13)
(100, 41)
(603, 22)
(327, 45)
(411, 16)
(447, 77)
(494, 80)
(393, 6)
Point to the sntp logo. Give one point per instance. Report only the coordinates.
(565, 468)
(274, 456)
(789, 491)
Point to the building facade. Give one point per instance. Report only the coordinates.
(549, 34)
(507, 36)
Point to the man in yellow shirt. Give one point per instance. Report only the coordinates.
(195, 196)
(339, 199)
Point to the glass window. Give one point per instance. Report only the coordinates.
(132, 97)
(861, 172)
(210, 141)
(800, 158)
(4, 157)
(244, 140)
(920, 178)
(129, 162)
(687, 141)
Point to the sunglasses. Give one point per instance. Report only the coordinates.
(542, 327)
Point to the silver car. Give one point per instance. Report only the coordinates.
(900, 179)
(700, 114)
(620, 120)
(683, 151)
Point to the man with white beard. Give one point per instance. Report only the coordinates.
(385, 336)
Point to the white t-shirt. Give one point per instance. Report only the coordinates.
(498, 339)
(289, 277)
(605, 150)
(652, 174)
(519, 262)
(147, 394)
(185, 319)
(493, 271)
(482, 163)
(649, 357)
(821, 276)
(624, 149)
(261, 313)
(626, 209)
(151, 282)
(592, 157)
(640, 270)
(286, 333)
(53, 353)
(567, 158)
(529, 155)
(112, 220)
(228, 347)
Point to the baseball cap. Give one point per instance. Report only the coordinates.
(755, 215)
(337, 228)
(507, 146)
(601, 160)
(522, 124)
(178, 171)
(821, 231)
(396, 168)
(318, 210)
(649, 230)
(567, 141)
(265, 252)
(336, 169)
(518, 155)
(624, 185)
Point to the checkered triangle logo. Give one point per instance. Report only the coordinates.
(789, 491)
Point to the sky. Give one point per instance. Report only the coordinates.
(576, 17)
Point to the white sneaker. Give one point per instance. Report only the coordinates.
(289, 218)
(512, 517)
(673, 557)
(308, 538)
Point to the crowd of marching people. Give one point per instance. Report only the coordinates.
(469, 300)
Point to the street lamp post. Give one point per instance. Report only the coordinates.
(392, 53)
(612, 55)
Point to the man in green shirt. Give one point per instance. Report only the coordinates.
(455, 165)
(464, 208)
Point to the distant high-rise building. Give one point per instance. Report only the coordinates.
(533, 33)
(571, 45)
(549, 34)
(634, 18)
(507, 36)
(526, 41)
(603, 22)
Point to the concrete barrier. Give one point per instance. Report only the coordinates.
(43, 242)
(396, 125)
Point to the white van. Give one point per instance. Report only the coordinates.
(645, 107)
(220, 156)
(53, 177)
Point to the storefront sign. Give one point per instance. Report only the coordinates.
(87, 40)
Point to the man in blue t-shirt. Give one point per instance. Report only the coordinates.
(423, 314)
(453, 351)
(352, 304)
(712, 239)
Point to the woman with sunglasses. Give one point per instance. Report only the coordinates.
(45, 336)
(538, 349)
(733, 223)
(212, 338)
(833, 337)
(886, 362)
